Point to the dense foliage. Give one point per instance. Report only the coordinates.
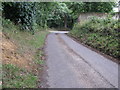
(102, 34)
(50, 14)
(83, 7)
(22, 13)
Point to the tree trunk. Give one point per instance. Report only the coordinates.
(65, 22)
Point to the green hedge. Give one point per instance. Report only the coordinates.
(102, 34)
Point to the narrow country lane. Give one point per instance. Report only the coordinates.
(71, 65)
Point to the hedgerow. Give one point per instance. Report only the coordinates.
(102, 34)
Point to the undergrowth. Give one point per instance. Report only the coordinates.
(15, 77)
(28, 44)
(102, 34)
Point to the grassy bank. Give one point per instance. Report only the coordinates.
(23, 56)
(101, 34)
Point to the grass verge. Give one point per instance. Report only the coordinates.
(22, 64)
(15, 77)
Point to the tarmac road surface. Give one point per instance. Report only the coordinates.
(72, 65)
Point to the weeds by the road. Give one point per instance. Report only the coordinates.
(101, 34)
(14, 76)
(22, 56)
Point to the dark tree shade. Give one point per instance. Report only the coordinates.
(51, 14)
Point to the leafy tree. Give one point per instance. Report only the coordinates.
(21, 13)
(82, 7)
(50, 14)
(59, 15)
(43, 10)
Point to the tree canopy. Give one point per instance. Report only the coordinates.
(50, 14)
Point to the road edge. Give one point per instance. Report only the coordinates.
(95, 50)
